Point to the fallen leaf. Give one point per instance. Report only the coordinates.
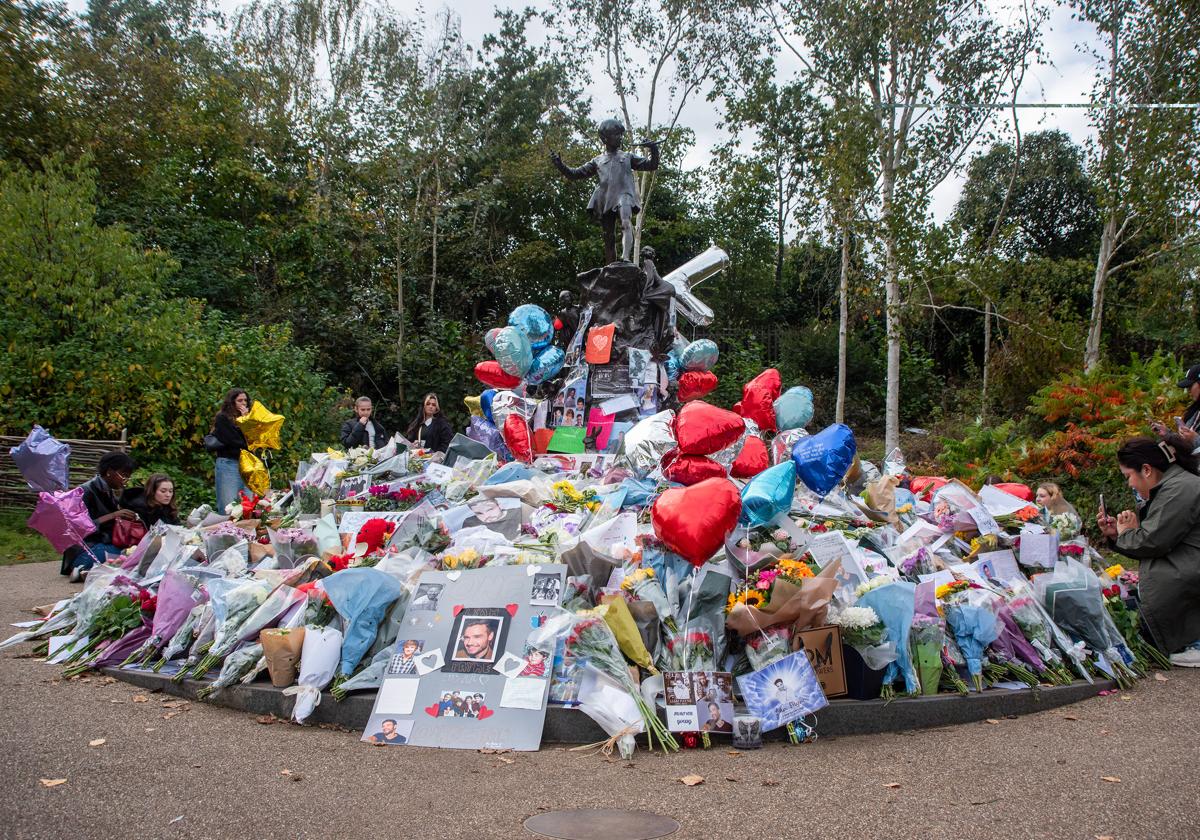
(1103, 836)
(173, 704)
(493, 751)
(149, 728)
(1158, 676)
(98, 742)
(177, 819)
(991, 721)
(1070, 717)
(116, 701)
(1113, 779)
(1126, 697)
(733, 752)
(892, 785)
(285, 772)
(770, 783)
(297, 777)
(504, 760)
(731, 778)
(140, 698)
(692, 780)
(265, 719)
(108, 681)
(52, 782)
(169, 715)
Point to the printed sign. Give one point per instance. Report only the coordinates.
(823, 647)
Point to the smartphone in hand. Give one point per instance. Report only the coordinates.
(1103, 510)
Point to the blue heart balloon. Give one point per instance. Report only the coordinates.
(822, 459)
(485, 403)
(512, 351)
(535, 322)
(546, 365)
(768, 494)
(699, 355)
(794, 408)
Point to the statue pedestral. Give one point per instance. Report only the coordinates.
(615, 294)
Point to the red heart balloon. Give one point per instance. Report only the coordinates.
(758, 399)
(484, 713)
(517, 437)
(752, 459)
(695, 384)
(490, 373)
(694, 521)
(690, 469)
(702, 429)
(737, 408)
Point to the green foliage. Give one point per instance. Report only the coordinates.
(94, 347)
(19, 544)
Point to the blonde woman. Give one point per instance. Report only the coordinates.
(1049, 496)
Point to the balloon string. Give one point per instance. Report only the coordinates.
(687, 618)
(746, 584)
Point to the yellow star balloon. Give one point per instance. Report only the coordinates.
(474, 406)
(254, 472)
(261, 427)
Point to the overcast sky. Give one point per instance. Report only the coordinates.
(1066, 75)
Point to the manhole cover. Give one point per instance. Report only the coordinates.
(601, 824)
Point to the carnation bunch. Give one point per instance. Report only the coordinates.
(861, 627)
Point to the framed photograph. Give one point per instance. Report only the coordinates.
(547, 590)
(477, 640)
(426, 597)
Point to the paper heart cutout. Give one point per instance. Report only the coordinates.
(429, 660)
(530, 571)
(511, 608)
(702, 429)
(694, 521)
(457, 609)
(453, 575)
(484, 713)
(432, 711)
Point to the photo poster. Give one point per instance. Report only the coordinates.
(355, 485)
(782, 692)
(570, 403)
(463, 675)
(699, 701)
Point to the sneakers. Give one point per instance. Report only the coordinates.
(76, 575)
(1189, 658)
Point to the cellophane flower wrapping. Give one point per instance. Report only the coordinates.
(178, 594)
(862, 629)
(690, 649)
(970, 618)
(1073, 596)
(369, 677)
(182, 638)
(766, 647)
(643, 584)
(926, 639)
(361, 597)
(221, 537)
(894, 603)
(293, 545)
(239, 663)
(318, 662)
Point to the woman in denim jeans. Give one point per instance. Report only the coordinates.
(227, 475)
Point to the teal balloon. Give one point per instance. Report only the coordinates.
(768, 494)
(700, 355)
(794, 408)
(546, 365)
(512, 351)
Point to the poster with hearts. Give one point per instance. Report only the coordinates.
(474, 683)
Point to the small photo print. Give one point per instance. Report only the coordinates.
(547, 590)
(385, 730)
(714, 716)
(712, 686)
(477, 638)
(462, 704)
(679, 688)
(426, 597)
(404, 660)
(536, 662)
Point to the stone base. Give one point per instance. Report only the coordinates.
(571, 726)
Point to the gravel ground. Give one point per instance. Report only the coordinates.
(202, 771)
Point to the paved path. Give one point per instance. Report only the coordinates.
(203, 771)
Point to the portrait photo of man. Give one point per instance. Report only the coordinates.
(477, 640)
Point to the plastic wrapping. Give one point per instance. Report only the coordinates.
(361, 596)
(318, 661)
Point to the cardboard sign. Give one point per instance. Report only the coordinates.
(1039, 550)
(823, 646)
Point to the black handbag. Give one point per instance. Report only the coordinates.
(212, 443)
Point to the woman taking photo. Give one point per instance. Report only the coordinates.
(155, 502)
(1164, 535)
(431, 430)
(228, 448)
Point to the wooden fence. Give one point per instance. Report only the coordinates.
(85, 454)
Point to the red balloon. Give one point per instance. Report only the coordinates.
(1017, 489)
(517, 437)
(758, 398)
(694, 521)
(752, 459)
(690, 469)
(737, 408)
(702, 429)
(490, 374)
(694, 384)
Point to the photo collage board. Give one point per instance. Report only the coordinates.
(463, 675)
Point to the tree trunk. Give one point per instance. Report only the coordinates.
(400, 313)
(437, 198)
(779, 232)
(843, 324)
(1091, 353)
(987, 357)
(891, 434)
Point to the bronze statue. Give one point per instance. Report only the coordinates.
(616, 195)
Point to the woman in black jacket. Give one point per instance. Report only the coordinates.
(430, 429)
(155, 502)
(227, 474)
(100, 498)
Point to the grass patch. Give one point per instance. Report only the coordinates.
(19, 544)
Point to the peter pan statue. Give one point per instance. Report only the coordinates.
(616, 195)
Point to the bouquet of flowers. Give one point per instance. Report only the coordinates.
(222, 537)
(1016, 520)
(381, 498)
(1066, 525)
(643, 585)
(233, 601)
(292, 545)
(578, 593)
(177, 595)
(239, 663)
(183, 637)
(970, 619)
(895, 604)
(468, 558)
(1126, 622)
(690, 651)
(119, 616)
(564, 497)
(927, 638)
(361, 597)
(1011, 651)
(793, 570)
(920, 562)
(369, 677)
(308, 498)
(863, 631)
(1034, 624)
